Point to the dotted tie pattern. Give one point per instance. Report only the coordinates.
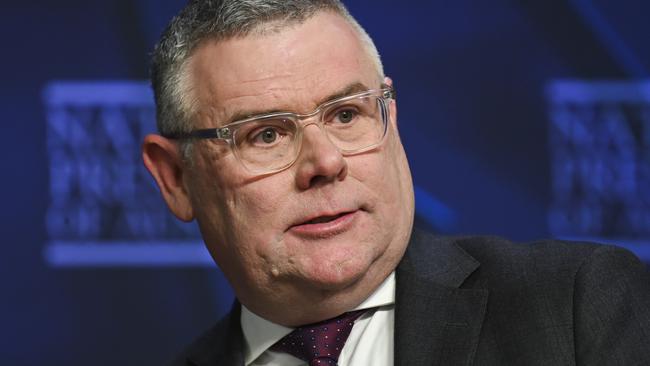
(319, 344)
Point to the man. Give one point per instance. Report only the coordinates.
(279, 136)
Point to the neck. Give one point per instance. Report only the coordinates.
(314, 306)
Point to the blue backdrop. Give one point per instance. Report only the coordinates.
(522, 119)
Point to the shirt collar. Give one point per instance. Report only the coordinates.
(260, 334)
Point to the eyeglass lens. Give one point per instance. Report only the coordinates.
(270, 143)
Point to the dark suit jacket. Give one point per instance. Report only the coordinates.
(486, 301)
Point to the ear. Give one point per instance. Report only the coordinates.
(162, 158)
(392, 107)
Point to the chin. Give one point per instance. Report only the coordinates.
(338, 276)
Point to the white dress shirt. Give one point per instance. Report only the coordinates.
(369, 343)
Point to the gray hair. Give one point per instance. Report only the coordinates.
(219, 20)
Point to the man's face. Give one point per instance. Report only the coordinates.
(326, 231)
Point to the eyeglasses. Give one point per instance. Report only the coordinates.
(271, 142)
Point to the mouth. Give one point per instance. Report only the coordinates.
(324, 219)
(325, 225)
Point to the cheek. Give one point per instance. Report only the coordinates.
(258, 216)
(257, 208)
(242, 220)
(386, 179)
(380, 171)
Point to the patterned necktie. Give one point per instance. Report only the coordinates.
(319, 344)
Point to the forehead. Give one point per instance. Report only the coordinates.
(291, 69)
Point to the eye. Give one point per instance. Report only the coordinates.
(346, 115)
(268, 135)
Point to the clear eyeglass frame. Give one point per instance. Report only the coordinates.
(229, 133)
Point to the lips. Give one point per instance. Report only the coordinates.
(325, 224)
(324, 219)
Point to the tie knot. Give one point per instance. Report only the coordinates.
(319, 343)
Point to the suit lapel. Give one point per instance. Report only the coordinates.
(436, 322)
(223, 345)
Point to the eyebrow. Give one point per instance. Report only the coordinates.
(353, 88)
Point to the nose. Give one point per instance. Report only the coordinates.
(319, 162)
